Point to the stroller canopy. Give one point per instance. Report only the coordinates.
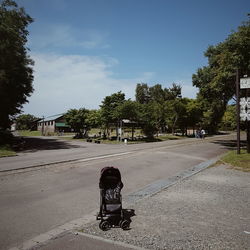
(110, 178)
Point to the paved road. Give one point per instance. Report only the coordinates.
(38, 200)
(45, 150)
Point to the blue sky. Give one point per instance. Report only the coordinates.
(85, 50)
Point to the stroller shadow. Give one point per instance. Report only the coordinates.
(128, 214)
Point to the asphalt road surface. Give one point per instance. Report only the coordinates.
(36, 200)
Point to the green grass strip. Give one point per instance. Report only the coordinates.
(6, 150)
(238, 161)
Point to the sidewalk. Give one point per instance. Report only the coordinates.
(80, 241)
(210, 210)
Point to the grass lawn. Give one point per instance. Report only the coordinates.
(6, 150)
(29, 133)
(142, 140)
(238, 161)
(38, 133)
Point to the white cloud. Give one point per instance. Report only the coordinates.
(66, 36)
(72, 81)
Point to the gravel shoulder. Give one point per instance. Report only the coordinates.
(210, 210)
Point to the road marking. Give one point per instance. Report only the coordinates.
(37, 167)
(103, 157)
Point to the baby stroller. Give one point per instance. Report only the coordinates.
(111, 213)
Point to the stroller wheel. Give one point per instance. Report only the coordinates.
(104, 225)
(124, 224)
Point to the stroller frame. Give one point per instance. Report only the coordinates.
(109, 177)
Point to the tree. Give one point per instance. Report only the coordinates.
(148, 119)
(216, 82)
(16, 74)
(157, 94)
(25, 121)
(173, 92)
(228, 121)
(176, 111)
(77, 119)
(142, 95)
(194, 113)
(157, 106)
(108, 109)
(128, 110)
(93, 118)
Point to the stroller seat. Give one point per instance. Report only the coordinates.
(112, 198)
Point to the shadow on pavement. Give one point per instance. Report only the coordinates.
(33, 144)
(229, 144)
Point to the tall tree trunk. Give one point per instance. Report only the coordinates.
(173, 128)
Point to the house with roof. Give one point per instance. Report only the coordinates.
(53, 124)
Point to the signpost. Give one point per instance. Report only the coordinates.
(243, 108)
(238, 110)
(245, 83)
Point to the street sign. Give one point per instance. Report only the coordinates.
(245, 109)
(245, 83)
(245, 103)
(245, 115)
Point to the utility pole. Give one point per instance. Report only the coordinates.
(43, 127)
(237, 83)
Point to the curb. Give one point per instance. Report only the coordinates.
(157, 186)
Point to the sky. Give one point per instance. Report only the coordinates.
(85, 50)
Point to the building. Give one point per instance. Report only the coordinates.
(53, 124)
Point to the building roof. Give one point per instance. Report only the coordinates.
(53, 117)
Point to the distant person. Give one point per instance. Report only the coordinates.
(203, 134)
(198, 133)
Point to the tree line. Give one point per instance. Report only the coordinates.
(154, 110)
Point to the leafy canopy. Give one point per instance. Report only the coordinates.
(26, 121)
(216, 82)
(16, 73)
